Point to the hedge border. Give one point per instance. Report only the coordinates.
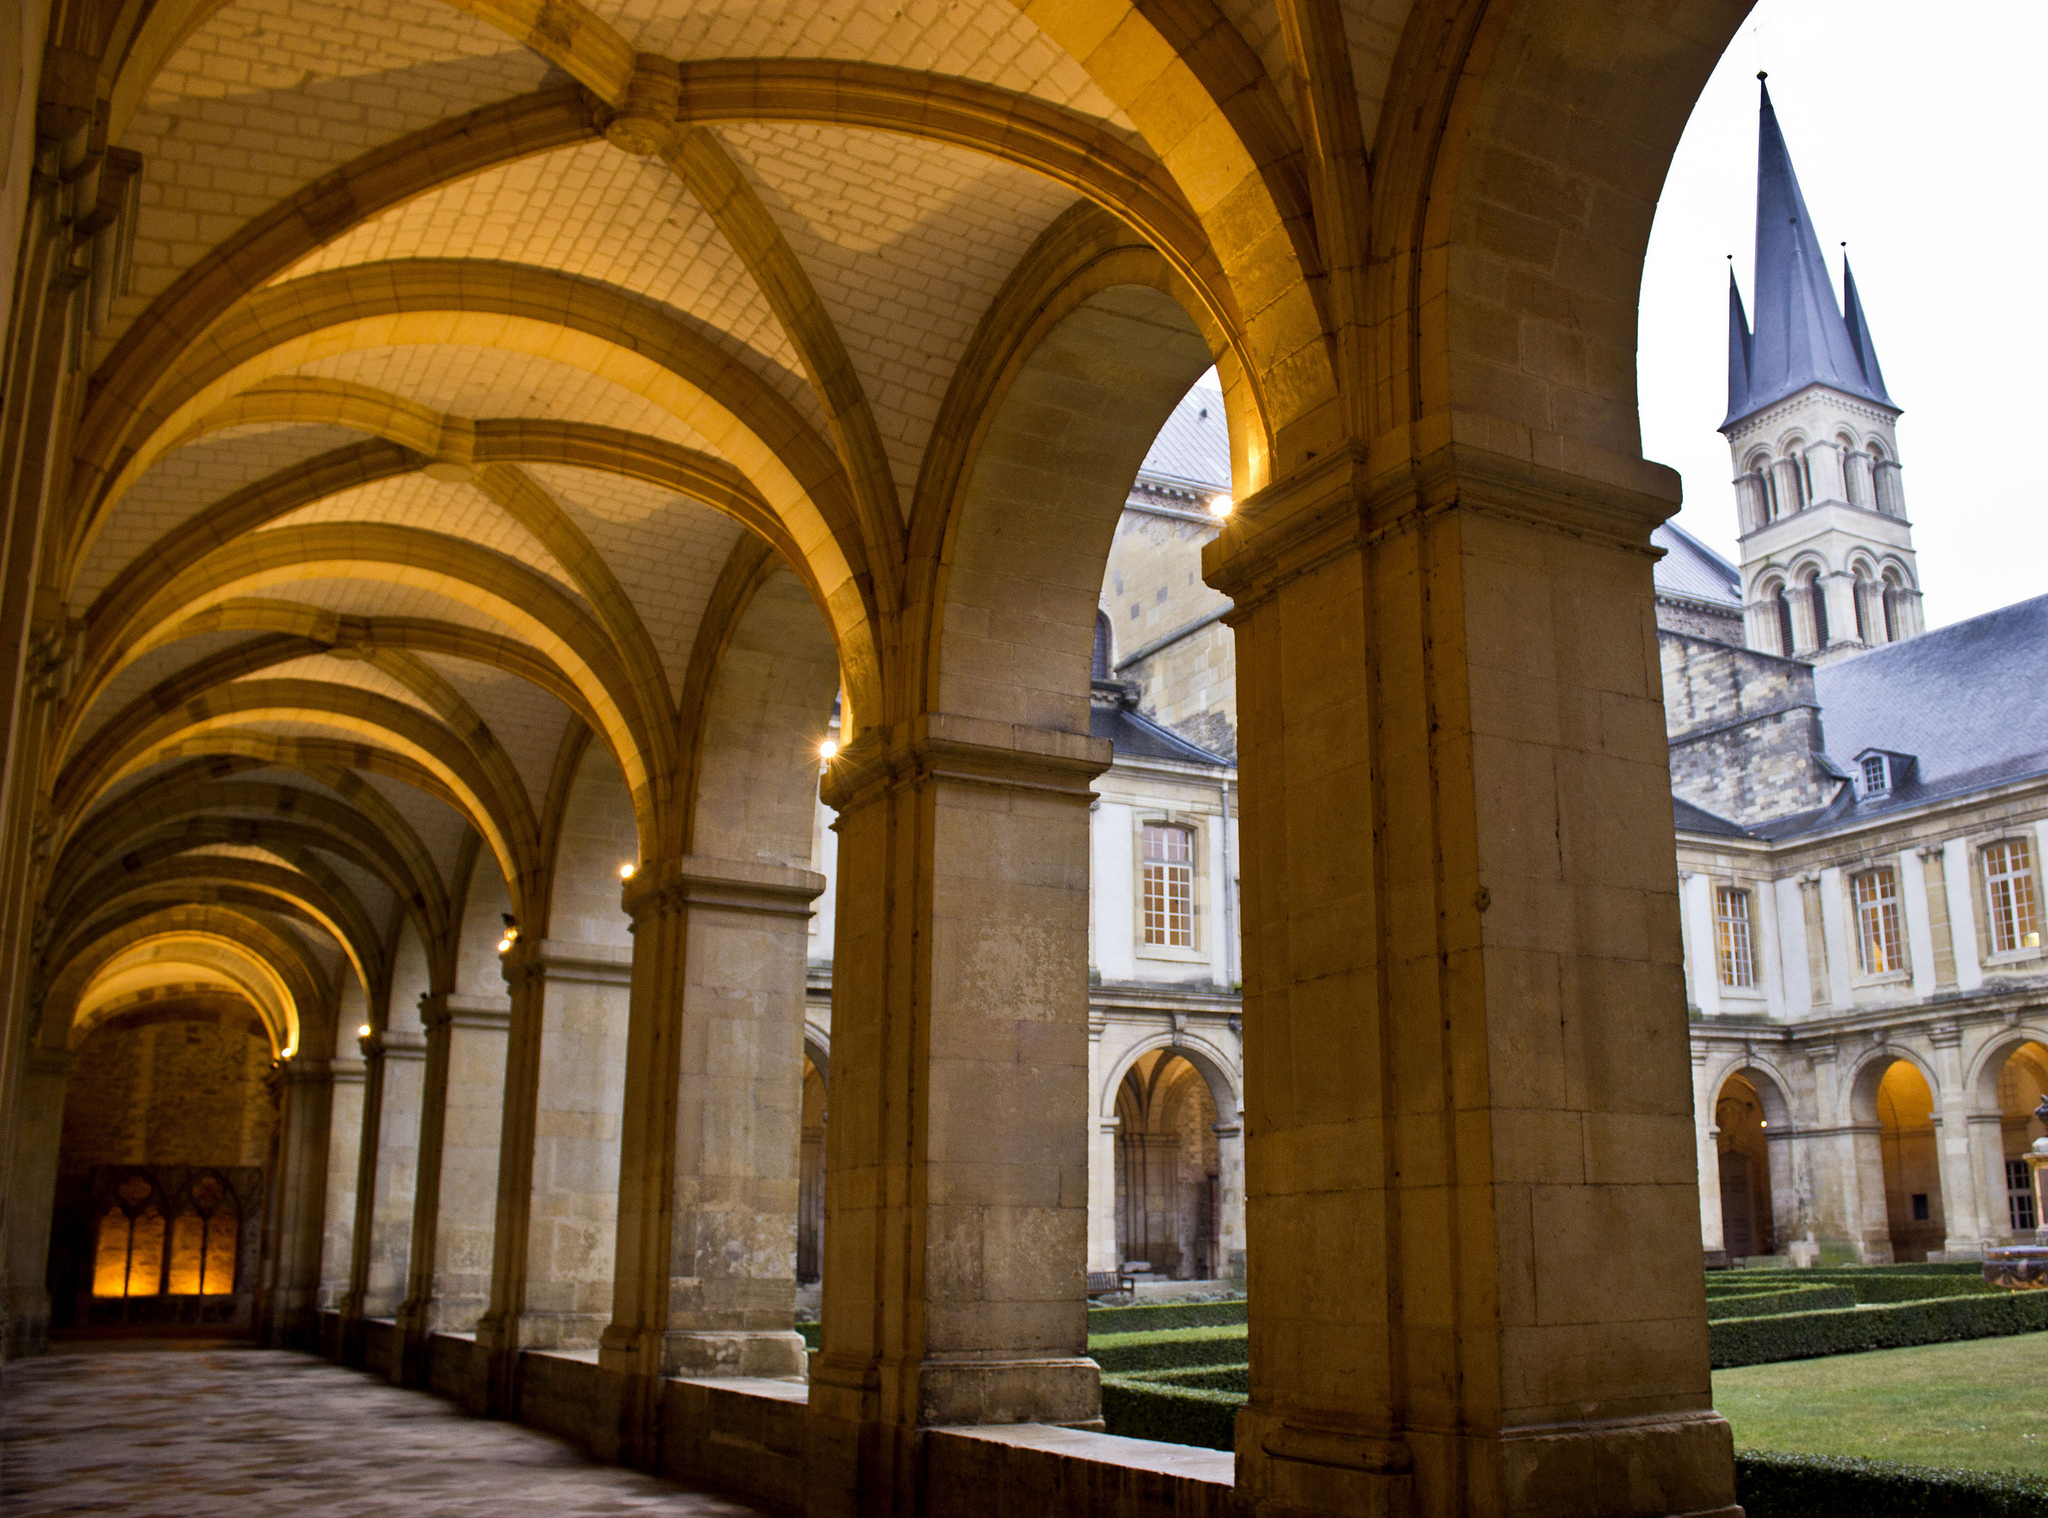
(1135, 1407)
(1165, 1315)
(1832, 1486)
(1852, 1330)
(1172, 1349)
(1768, 1304)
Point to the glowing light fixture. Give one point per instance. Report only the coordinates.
(625, 872)
(828, 748)
(2032, 941)
(504, 943)
(363, 1031)
(1221, 505)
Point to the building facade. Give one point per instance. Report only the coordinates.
(1862, 811)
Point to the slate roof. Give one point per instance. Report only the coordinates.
(1968, 701)
(1193, 448)
(1693, 819)
(1691, 569)
(1801, 338)
(1139, 737)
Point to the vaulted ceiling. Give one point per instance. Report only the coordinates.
(478, 362)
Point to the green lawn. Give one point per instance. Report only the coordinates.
(1978, 1405)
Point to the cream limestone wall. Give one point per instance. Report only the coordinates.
(401, 1050)
(1951, 1008)
(345, 1133)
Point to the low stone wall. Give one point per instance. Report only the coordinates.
(382, 1347)
(557, 1390)
(1032, 1470)
(450, 1371)
(748, 1437)
(743, 1436)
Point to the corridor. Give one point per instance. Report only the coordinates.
(228, 1432)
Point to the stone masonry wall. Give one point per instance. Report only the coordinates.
(1744, 730)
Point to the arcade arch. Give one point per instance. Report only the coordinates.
(1893, 1105)
(935, 368)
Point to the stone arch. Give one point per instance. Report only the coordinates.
(1895, 1102)
(1210, 1061)
(1755, 1180)
(1019, 576)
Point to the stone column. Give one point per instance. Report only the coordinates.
(299, 1192)
(1473, 1188)
(449, 1277)
(32, 1199)
(397, 1063)
(1987, 1171)
(1707, 1137)
(1230, 1199)
(337, 1225)
(1102, 1250)
(1967, 1229)
(709, 1170)
(558, 1158)
(957, 1160)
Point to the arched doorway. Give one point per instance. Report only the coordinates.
(1169, 1171)
(2022, 1082)
(1744, 1114)
(1912, 1165)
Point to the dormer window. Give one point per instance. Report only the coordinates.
(1877, 775)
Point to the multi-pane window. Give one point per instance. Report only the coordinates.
(1877, 922)
(2019, 1196)
(1731, 935)
(2010, 894)
(1876, 776)
(1169, 885)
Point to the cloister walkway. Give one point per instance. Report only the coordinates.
(228, 1432)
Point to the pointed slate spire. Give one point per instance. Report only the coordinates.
(1859, 335)
(1738, 353)
(1800, 337)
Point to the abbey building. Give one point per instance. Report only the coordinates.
(1862, 811)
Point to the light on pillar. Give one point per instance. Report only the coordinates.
(1221, 506)
(828, 749)
(626, 871)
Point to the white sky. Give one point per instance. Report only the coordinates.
(1920, 140)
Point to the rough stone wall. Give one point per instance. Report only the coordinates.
(1744, 729)
(171, 1093)
(1698, 621)
(1154, 588)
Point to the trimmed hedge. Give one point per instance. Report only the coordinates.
(1170, 1350)
(1871, 1288)
(1137, 1407)
(1122, 1320)
(1768, 1304)
(811, 1334)
(1223, 1378)
(1806, 1335)
(1823, 1486)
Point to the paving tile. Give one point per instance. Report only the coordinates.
(226, 1432)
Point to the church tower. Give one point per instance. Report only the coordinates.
(1827, 553)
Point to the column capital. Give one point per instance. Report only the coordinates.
(394, 1043)
(345, 1071)
(453, 1009)
(532, 959)
(730, 885)
(971, 750)
(1945, 1036)
(1363, 491)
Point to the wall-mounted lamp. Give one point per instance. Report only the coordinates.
(1221, 505)
(827, 749)
(625, 872)
(363, 1031)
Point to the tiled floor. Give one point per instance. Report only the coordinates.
(233, 1432)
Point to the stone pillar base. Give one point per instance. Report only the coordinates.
(1675, 1466)
(770, 1355)
(1064, 1391)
